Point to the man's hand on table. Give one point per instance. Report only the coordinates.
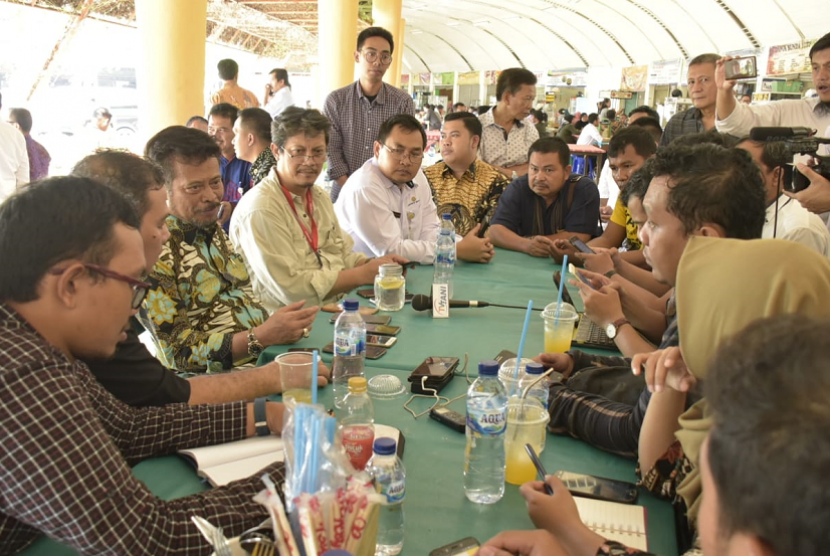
(475, 249)
(539, 246)
(560, 362)
(287, 325)
(816, 198)
(523, 543)
(562, 247)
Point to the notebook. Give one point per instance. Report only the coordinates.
(587, 333)
(624, 523)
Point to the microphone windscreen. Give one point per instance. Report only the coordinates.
(770, 133)
(421, 302)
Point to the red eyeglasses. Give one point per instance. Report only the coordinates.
(139, 288)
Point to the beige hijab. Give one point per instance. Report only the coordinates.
(723, 285)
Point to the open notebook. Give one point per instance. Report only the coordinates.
(616, 522)
(223, 463)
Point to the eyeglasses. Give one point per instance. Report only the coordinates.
(372, 57)
(139, 288)
(314, 157)
(401, 154)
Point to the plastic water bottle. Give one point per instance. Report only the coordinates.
(486, 423)
(357, 423)
(541, 390)
(389, 476)
(445, 253)
(349, 349)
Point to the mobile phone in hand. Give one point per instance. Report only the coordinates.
(540, 469)
(581, 246)
(740, 68)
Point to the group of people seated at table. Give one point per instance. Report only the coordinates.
(720, 395)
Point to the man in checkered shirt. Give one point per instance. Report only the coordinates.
(73, 261)
(357, 110)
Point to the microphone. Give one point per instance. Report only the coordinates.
(778, 133)
(421, 302)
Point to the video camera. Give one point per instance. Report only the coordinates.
(798, 141)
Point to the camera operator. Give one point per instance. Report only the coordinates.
(737, 119)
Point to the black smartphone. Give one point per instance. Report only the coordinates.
(464, 547)
(581, 246)
(582, 278)
(372, 352)
(540, 469)
(368, 319)
(484, 227)
(382, 329)
(741, 68)
(432, 375)
(504, 355)
(369, 293)
(380, 341)
(598, 488)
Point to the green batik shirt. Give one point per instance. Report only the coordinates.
(200, 297)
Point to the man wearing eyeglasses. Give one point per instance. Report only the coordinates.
(285, 227)
(357, 110)
(387, 205)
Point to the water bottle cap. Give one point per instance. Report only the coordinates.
(351, 304)
(446, 216)
(534, 368)
(357, 384)
(385, 446)
(488, 368)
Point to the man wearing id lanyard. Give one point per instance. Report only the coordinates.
(387, 205)
(286, 228)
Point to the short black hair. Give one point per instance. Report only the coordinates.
(568, 118)
(185, 144)
(130, 174)
(194, 119)
(281, 74)
(651, 125)
(512, 80)
(482, 108)
(407, 122)
(637, 185)
(55, 220)
(580, 124)
(637, 137)
(773, 153)
(257, 121)
(647, 110)
(822, 44)
(370, 32)
(471, 122)
(711, 184)
(23, 118)
(592, 118)
(547, 145)
(458, 105)
(224, 110)
(228, 69)
(708, 58)
(295, 120)
(611, 114)
(712, 137)
(768, 449)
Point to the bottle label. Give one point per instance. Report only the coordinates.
(487, 422)
(350, 343)
(357, 441)
(395, 491)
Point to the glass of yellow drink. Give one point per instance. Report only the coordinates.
(559, 328)
(526, 424)
(295, 376)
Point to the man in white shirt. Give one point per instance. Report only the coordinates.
(785, 217)
(387, 206)
(14, 160)
(278, 95)
(590, 135)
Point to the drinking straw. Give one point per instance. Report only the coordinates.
(522, 341)
(561, 286)
(315, 363)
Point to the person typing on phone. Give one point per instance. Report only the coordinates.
(286, 227)
(547, 204)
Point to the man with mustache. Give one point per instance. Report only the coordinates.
(200, 307)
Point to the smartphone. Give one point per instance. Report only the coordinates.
(380, 341)
(436, 367)
(582, 278)
(369, 293)
(464, 547)
(581, 246)
(368, 319)
(382, 329)
(741, 68)
(540, 469)
(598, 487)
(221, 212)
(372, 352)
(483, 229)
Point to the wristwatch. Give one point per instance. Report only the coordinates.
(612, 329)
(261, 417)
(255, 347)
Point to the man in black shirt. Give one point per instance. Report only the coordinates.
(133, 375)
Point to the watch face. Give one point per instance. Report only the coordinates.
(611, 330)
(255, 348)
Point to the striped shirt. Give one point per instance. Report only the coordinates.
(68, 445)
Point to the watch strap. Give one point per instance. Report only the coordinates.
(619, 322)
(261, 417)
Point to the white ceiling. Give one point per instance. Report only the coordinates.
(468, 35)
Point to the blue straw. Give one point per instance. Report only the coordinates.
(561, 285)
(315, 363)
(522, 341)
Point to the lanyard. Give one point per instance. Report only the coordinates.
(312, 238)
